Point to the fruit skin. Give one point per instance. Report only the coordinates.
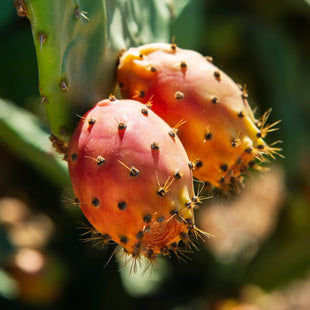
(131, 178)
(219, 131)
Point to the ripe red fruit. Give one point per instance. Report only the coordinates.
(131, 178)
(219, 131)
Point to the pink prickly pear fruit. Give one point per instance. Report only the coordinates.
(219, 131)
(131, 178)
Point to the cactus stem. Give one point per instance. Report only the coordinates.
(63, 131)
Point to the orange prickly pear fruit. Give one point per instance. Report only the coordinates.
(219, 130)
(132, 178)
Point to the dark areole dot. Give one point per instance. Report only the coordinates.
(140, 234)
(95, 202)
(122, 126)
(241, 114)
(74, 157)
(198, 164)
(215, 100)
(155, 146)
(147, 218)
(149, 253)
(224, 167)
(122, 205)
(208, 136)
(134, 172)
(100, 160)
(178, 175)
(123, 239)
(145, 111)
(161, 219)
(91, 121)
(217, 75)
(179, 95)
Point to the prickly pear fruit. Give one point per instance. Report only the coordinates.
(132, 178)
(219, 131)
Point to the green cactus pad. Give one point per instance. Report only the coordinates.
(77, 44)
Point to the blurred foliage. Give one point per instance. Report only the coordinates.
(263, 44)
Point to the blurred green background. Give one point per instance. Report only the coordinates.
(260, 257)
